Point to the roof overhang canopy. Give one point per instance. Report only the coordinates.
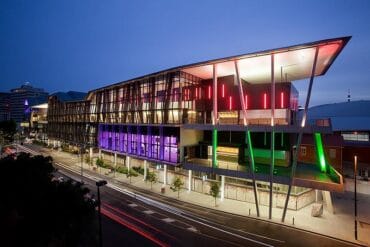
(290, 63)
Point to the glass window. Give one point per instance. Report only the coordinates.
(356, 136)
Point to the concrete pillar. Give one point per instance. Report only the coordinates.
(128, 162)
(328, 202)
(189, 180)
(99, 153)
(48, 142)
(145, 170)
(115, 163)
(54, 143)
(222, 190)
(90, 153)
(164, 175)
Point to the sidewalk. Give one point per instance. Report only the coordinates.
(338, 225)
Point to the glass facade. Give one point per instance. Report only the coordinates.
(153, 142)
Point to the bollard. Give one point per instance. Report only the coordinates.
(249, 212)
(293, 220)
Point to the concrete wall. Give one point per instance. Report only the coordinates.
(363, 187)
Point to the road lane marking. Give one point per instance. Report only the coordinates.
(132, 205)
(148, 212)
(192, 229)
(168, 220)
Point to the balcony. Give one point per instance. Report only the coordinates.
(307, 175)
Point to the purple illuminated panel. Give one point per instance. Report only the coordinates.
(124, 140)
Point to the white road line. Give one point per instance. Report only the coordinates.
(192, 229)
(168, 220)
(148, 212)
(132, 205)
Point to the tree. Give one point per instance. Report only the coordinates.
(131, 173)
(152, 178)
(63, 214)
(176, 185)
(99, 162)
(8, 128)
(215, 190)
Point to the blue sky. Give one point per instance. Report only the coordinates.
(82, 45)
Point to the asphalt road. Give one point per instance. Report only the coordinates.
(166, 221)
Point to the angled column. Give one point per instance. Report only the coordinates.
(300, 134)
(214, 118)
(248, 141)
(272, 142)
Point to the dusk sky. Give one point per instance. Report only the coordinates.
(83, 45)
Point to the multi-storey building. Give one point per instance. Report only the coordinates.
(232, 120)
(20, 100)
(4, 106)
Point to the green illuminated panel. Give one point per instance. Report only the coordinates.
(214, 148)
(250, 149)
(320, 152)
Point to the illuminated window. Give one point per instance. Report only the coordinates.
(303, 151)
(356, 136)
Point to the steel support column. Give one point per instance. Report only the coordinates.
(115, 163)
(222, 187)
(164, 175)
(247, 139)
(272, 142)
(145, 170)
(214, 117)
(189, 180)
(300, 134)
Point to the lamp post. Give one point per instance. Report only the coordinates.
(98, 184)
(355, 175)
(82, 148)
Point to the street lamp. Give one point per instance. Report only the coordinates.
(81, 148)
(98, 184)
(355, 175)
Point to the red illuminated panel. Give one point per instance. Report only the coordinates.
(223, 90)
(196, 93)
(246, 101)
(230, 103)
(264, 101)
(209, 92)
(282, 100)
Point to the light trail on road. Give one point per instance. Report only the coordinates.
(132, 227)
